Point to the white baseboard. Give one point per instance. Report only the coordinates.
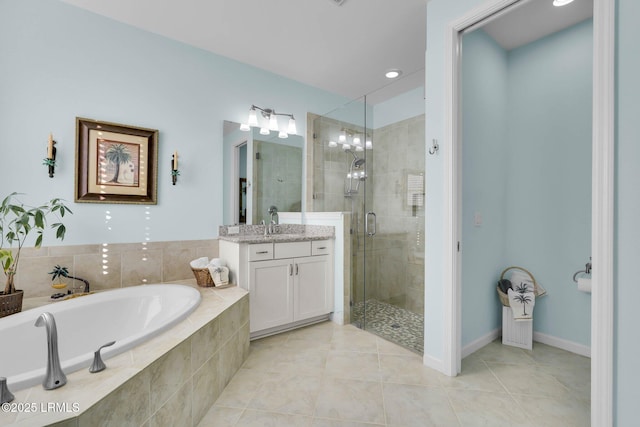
(476, 345)
(338, 317)
(563, 344)
(433, 363)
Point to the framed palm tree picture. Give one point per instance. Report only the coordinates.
(115, 163)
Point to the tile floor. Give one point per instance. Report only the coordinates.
(340, 376)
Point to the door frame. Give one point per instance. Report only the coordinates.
(235, 173)
(602, 226)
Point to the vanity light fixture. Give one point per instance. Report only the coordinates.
(270, 122)
(333, 144)
(559, 3)
(394, 73)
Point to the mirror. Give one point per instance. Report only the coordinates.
(260, 171)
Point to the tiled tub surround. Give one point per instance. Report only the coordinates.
(285, 233)
(171, 379)
(111, 265)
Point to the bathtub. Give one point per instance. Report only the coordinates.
(128, 316)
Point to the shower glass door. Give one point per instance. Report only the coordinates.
(375, 174)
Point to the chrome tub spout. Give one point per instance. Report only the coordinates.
(54, 376)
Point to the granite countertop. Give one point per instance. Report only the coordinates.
(286, 233)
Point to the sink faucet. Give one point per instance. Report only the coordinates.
(267, 228)
(54, 376)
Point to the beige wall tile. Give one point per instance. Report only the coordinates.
(33, 277)
(91, 268)
(177, 411)
(206, 387)
(175, 265)
(204, 343)
(74, 250)
(169, 373)
(126, 406)
(141, 267)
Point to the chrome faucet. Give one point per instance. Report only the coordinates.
(267, 229)
(54, 376)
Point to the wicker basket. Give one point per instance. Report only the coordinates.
(203, 277)
(504, 298)
(11, 304)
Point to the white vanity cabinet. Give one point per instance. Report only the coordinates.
(290, 283)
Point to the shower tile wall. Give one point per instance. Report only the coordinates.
(396, 259)
(277, 177)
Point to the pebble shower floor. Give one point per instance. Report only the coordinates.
(393, 323)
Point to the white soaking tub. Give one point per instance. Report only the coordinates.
(128, 316)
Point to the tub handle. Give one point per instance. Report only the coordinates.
(98, 365)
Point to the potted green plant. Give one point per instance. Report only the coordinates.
(17, 223)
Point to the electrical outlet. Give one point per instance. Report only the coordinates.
(235, 229)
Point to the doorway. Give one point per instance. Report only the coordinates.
(602, 199)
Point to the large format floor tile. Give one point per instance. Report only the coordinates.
(340, 376)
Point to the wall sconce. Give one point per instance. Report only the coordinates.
(269, 122)
(174, 168)
(50, 160)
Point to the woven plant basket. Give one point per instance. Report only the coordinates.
(203, 277)
(504, 298)
(11, 304)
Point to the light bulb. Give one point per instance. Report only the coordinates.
(356, 140)
(264, 131)
(245, 127)
(369, 144)
(253, 118)
(333, 144)
(359, 148)
(292, 126)
(273, 122)
(282, 134)
(342, 137)
(346, 146)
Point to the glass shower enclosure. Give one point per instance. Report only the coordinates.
(372, 169)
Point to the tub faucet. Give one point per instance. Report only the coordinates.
(54, 376)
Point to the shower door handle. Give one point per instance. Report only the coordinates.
(371, 231)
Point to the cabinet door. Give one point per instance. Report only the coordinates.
(270, 293)
(311, 289)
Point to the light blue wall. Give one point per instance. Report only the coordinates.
(484, 162)
(548, 210)
(59, 62)
(627, 213)
(398, 108)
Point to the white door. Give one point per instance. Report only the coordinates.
(311, 292)
(271, 299)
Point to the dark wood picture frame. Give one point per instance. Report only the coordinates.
(115, 163)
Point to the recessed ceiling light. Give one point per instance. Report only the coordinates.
(393, 74)
(561, 2)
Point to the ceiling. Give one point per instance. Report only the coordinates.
(341, 46)
(531, 20)
(344, 49)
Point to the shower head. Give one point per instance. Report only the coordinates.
(357, 162)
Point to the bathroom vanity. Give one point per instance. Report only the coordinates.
(289, 275)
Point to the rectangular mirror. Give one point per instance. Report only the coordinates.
(260, 171)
